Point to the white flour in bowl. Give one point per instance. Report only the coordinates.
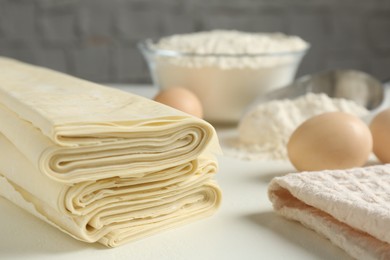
(223, 42)
(227, 70)
(265, 130)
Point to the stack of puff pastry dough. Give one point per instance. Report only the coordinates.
(100, 164)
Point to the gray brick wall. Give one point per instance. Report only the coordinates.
(96, 39)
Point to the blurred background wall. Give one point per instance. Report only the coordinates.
(96, 39)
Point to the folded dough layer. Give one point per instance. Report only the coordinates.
(101, 164)
(124, 224)
(91, 197)
(73, 130)
(114, 210)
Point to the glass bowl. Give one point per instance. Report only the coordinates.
(225, 83)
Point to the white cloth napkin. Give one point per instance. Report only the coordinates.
(349, 207)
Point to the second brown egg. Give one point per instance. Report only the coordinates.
(182, 99)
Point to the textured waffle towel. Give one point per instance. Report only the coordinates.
(350, 207)
(98, 163)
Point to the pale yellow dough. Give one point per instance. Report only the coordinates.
(73, 130)
(100, 164)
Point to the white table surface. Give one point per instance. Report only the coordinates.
(245, 227)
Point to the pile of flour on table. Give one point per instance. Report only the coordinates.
(265, 130)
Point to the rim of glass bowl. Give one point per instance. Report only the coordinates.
(146, 46)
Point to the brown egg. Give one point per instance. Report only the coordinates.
(181, 99)
(334, 140)
(380, 130)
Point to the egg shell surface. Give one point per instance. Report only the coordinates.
(334, 140)
(380, 129)
(181, 99)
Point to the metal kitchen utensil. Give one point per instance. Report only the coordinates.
(354, 85)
